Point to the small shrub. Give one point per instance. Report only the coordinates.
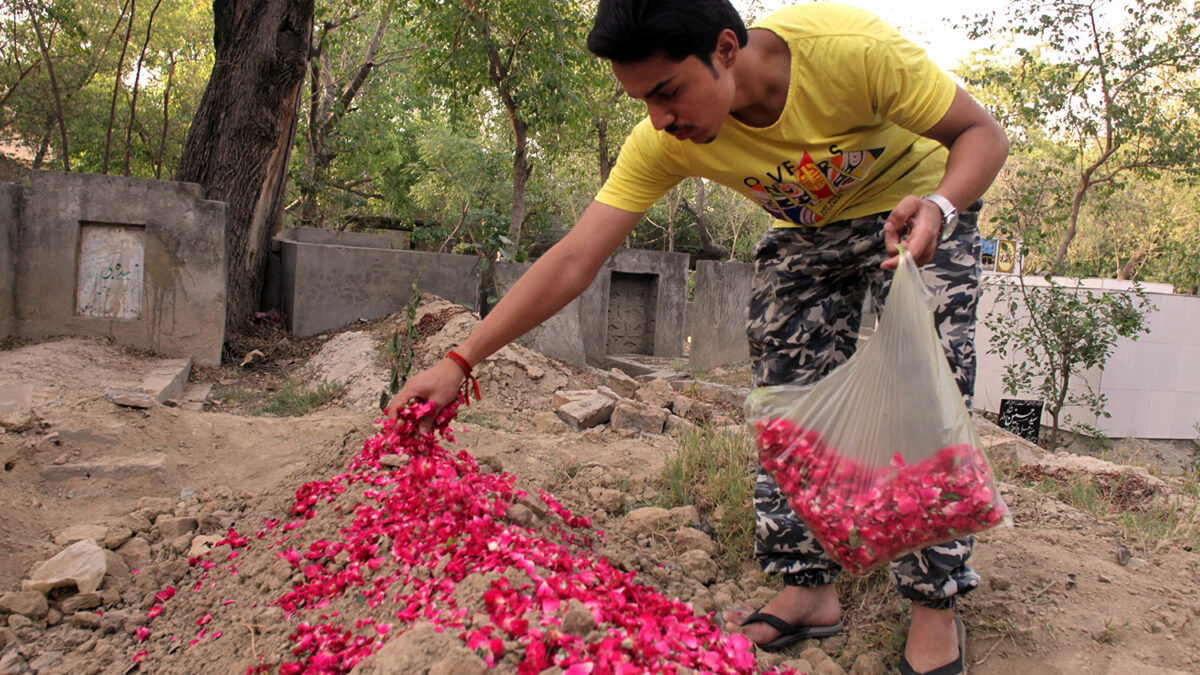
(715, 470)
(294, 399)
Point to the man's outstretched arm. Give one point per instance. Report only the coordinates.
(557, 278)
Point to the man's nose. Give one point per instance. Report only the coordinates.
(660, 116)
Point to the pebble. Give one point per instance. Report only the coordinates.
(26, 603)
(814, 655)
(869, 663)
(80, 602)
(17, 621)
(117, 535)
(393, 460)
(89, 620)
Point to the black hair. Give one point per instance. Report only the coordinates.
(626, 31)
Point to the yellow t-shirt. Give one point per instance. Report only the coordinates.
(846, 144)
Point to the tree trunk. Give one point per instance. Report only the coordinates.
(162, 141)
(112, 108)
(707, 245)
(137, 81)
(521, 173)
(602, 148)
(58, 105)
(241, 137)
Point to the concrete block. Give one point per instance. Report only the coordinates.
(10, 195)
(327, 286)
(75, 533)
(30, 604)
(559, 336)
(565, 396)
(15, 398)
(167, 380)
(130, 397)
(676, 424)
(691, 409)
(171, 528)
(656, 392)
(721, 298)
(149, 467)
(143, 262)
(587, 413)
(624, 385)
(197, 393)
(639, 417)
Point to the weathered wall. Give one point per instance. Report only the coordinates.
(579, 332)
(140, 261)
(327, 286)
(721, 298)
(316, 235)
(671, 270)
(560, 336)
(1152, 384)
(9, 201)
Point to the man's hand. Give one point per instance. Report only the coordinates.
(439, 384)
(918, 224)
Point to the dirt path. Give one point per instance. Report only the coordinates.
(1059, 595)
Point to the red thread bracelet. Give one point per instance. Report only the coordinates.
(465, 366)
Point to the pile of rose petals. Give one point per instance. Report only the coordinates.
(421, 528)
(863, 516)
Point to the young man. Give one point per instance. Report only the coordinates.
(853, 140)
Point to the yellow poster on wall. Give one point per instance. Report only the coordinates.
(1006, 255)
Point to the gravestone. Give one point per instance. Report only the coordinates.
(1022, 417)
(632, 309)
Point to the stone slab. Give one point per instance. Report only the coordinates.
(130, 397)
(15, 398)
(168, 379)
(152, 467)
(198, 393)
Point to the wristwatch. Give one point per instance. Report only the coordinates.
(949, 215)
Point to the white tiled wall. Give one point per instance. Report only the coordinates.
(1152, 384)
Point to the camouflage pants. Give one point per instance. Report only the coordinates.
(806, 308)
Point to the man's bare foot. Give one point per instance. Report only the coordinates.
(932, 639)
(798, 605)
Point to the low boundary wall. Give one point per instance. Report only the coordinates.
(142, 262)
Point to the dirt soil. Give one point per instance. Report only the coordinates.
(1063, 592)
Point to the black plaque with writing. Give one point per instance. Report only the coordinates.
(1022, 417)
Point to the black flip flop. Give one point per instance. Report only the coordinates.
(956, 667)
(789, 634)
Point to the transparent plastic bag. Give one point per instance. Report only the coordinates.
(880, 457)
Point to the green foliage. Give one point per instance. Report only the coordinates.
(1148, 519)
(294, 399)
(1094, 95)
(100, 55)
(401, 353)
(714, 471)
(1051, 335)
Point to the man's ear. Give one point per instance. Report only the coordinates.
(727, 48)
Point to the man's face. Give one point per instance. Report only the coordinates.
(687, 99)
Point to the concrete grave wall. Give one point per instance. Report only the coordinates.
(140, 261)
(580, 331)
(670, 272)
(1152, 384)
(317, 235)
(719, 306)
(326, 286)
(9, 220)
(560, 336)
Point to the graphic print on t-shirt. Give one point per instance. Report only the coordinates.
(800, 199)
